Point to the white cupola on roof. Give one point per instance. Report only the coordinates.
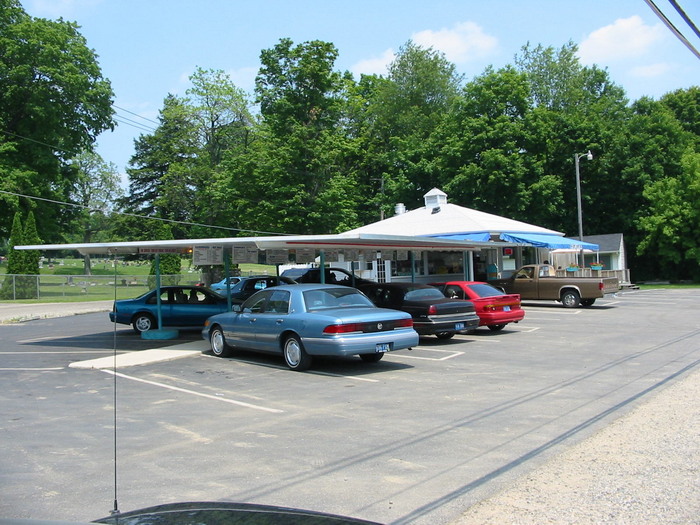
(435, 198)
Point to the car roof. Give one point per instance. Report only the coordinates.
(311, 286)
(400, 285)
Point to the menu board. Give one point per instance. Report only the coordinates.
(276, 256)
(205, 255)
(245, 253)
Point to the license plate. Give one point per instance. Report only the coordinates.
(506, 308)
(459, 326)
(383, 347)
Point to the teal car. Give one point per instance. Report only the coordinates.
(181, 307)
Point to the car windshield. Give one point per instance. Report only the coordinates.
(414, 294)
(334, 298)
(485, 290)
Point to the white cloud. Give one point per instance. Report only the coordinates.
(374, 66)
(651, 70)
(244, 78)
(624, 39)
(53, 9)
(465, 41)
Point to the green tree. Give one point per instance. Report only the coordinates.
(95, 189)
(53, 103)
(296, 176)
(672, 226)
(15, 286)
(479, 147)
(403, 111)
(170, 264)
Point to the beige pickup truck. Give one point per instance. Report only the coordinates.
(538, 281)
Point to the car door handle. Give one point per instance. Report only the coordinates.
(279, 321)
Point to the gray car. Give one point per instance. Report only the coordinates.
(303, 320)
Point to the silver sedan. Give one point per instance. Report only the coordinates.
(303, 320)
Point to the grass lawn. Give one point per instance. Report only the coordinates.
(63, 281)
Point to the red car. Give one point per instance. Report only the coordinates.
(494, 308)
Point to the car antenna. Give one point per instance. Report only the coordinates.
(115, 509)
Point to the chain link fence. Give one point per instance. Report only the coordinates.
(83, 287)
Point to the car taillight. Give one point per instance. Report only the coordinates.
(342, 328)
(404, 323)
(601, 286)
(432, 310)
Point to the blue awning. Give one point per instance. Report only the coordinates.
(552, 242)
(476, 237)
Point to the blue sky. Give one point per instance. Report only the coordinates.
(148, 48)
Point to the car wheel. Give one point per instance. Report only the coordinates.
(372, 358)
(445, 335)
(143, 323)
(294, 354)
(496, 327)
(587, 302)
(219, 346)
(570, 299)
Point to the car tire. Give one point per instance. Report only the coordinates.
(587, 302)
(217, 341)
(372, 358)
(143, 323)
(294, 354)
(496, 327)
(445, 335)
(570, 299)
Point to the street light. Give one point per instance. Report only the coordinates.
(578, 157)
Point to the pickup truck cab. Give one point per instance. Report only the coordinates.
(539, 282)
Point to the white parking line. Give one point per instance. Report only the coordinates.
(192, 392)
(26, 369)
(29, 352)
(451, 353)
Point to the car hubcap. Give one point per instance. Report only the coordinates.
(144, 324)
(217, 342)
(293, 352)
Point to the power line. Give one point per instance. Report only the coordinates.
(672, 27)
(685, 17)
(127, 214)
(136, 114)
(127, 121)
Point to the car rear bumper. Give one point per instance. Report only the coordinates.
(354, 344)
(495, 318)
(432, 326)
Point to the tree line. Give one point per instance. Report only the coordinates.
(315, 150)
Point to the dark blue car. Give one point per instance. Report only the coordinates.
(181, 307)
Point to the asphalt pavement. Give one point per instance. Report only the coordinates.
(643, 467)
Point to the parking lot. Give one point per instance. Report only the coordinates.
(416, 438)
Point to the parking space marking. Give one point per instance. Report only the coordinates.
(314, 372)
(30, 369)
(140, 357)
(366, 379)
(525, 330)
(545, 310)
(194, 393)
(29, 352)
(451, 354)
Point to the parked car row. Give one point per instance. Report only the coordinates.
(298, 321)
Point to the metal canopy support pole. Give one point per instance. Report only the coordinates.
(412, 258)
(227, 275)
(322, 260)
(160, 333)
(158, 301)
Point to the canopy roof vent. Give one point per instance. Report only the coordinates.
(435, 198)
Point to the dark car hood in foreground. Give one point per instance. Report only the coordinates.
(216, 513)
